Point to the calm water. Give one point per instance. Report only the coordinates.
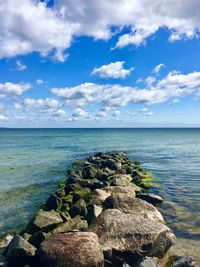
(32, 161)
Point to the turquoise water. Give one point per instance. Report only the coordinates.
(32, 161)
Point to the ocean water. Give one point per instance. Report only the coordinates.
(33, 160)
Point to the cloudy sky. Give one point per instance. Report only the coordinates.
(91, 63)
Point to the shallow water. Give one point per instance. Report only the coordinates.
(32, 161)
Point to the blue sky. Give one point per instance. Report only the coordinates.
(111, 64)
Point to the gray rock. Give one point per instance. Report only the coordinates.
(71, 225)
(131, 236)
(148, 262)
(131, 205)
(19, 252)
(76, 249)
(151, 198)
(129, 190)
(45, 221)
(120, 179)
(180, 261)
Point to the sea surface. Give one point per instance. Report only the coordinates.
(33, 160)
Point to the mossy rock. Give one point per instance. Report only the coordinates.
(54, 202)
(81, 193)
(79, 208)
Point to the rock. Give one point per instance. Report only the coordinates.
(148, 262)
(120, 179)
(151, 198)
(65, 216)
(19, 252)
(37, 238)
(93, 212)
(5, 241)
(26, 236)
(131, 236)
(79, 208)
(100, 194)
(71, 225)
(76, 249)
(180, 261)
(54, 202)
(44, 221)
(92, 184)
(129, 190)
(81, 193)
(102, 175)
(89, 172)
(127, 204)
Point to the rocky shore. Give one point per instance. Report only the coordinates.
(101, 215)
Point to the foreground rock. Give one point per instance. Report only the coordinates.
(77, 249)
(131, 237)
(19, 252)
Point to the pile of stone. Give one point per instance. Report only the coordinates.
(102, 215)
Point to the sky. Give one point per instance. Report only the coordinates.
(91, 63)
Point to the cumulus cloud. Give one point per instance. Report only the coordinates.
(80, 113)
(10, 89)
(158, 68)
(45, 104)
(29, 25)
(174, 85)
(112, 70)
(60, 113)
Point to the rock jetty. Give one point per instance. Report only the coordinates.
(101, 215)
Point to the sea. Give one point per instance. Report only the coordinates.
(32, 161)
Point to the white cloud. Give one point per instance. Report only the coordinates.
(175, 101)
(158, 68)
(113, 95)
(60, 113)
(10, 89)
(40, 81)
(20, 66)
(112, 70)
(45, 104)
(146, 112)
(29, 25)
(80, 113)
(3, 118)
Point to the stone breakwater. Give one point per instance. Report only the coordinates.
(101, 215)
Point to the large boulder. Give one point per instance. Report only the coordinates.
(19, 252)
(136, 206)
(131, 236)
(44, 221)
(76, 249)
